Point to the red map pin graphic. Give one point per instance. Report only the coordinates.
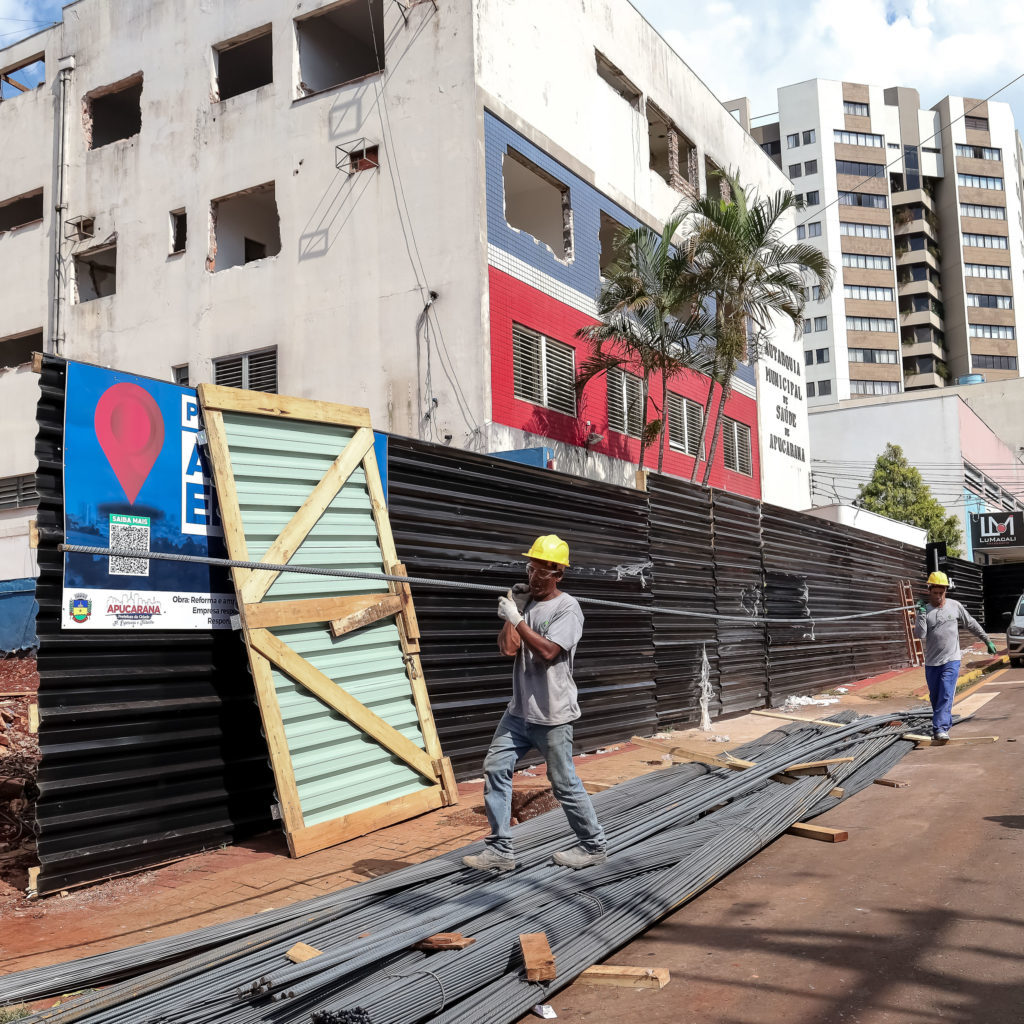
(130, 431)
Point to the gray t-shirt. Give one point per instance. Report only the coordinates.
(544, 693)
(939, 628)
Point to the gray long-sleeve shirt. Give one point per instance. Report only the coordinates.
(939, 629)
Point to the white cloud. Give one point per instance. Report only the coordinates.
(19, 18)
(939, 47)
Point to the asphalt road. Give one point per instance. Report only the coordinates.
(918, 918)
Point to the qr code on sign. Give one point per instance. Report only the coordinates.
(128, 537)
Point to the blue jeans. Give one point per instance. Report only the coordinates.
(941, 691)
(512, 739)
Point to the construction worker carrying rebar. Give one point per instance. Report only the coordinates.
(542, 626)
(938, 627)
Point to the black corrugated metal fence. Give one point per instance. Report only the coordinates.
(151, 743)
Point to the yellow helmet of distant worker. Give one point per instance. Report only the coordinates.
(938, 579)
(550, 548)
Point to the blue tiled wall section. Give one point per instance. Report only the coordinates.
(583, 272)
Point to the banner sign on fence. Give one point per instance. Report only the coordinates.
(991, 530)
(135, 480)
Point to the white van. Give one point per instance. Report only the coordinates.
(1015, 634)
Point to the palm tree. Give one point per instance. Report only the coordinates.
(652, 320)
(751, 275)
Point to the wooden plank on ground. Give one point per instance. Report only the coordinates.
(892, 783)
(537, 956)
(723, 760)
(33, 718)
(819, 832)
(797, 718)
(445, 940)
(963, 741)
(597, 787)
(816, 767)
(626, 977)
(301, 952)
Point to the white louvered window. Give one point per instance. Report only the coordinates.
(543, 370)
(736, 446)
(18, 491)
(625, 395)
(253, 371)
(684, 423)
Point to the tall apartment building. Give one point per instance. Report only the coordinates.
(920, 211)
(405, 206)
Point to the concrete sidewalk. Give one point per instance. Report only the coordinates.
(918, 918)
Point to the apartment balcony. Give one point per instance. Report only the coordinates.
(911, 197)
(920, 348)
(907, 225)
(910, 287)
(916, 381)
(930, 256)
(922, 318)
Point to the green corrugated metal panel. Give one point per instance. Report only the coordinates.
(338, 769)
(276, 464)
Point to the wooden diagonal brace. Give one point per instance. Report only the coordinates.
(344, 703)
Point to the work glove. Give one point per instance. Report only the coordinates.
(922, 609)
(520, 593)
(991, 647)
(508, 611)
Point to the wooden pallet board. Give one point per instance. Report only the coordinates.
(626, 977)
(335, 661)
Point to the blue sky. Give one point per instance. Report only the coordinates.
(750, 47)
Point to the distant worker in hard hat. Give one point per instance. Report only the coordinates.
(938, 627)
(542, 626)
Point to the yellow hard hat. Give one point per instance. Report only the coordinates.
(938, 579)
(550, 548)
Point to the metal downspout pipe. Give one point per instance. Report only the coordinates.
(60, 296)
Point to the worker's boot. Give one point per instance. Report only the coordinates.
(489, 860)
(580, 857)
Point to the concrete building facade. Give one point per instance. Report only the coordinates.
(402, 206)
(922, 211)
(967, 466)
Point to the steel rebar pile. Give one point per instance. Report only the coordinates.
(671, 835)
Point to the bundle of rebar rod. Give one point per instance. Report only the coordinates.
(671, 835)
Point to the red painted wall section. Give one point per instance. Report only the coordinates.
(512, 301)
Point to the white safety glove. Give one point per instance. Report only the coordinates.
(508, 611)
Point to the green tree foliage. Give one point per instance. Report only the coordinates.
(897, 490)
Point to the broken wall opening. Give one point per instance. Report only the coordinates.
(22, 77)
(537, 203)
(245, 227)
(608, 235)
(244, 63)
(179, 231)
(21, 210)
(340, 44)
(18, 348)
(672, 155)
(609, 73)
(114, 112)
(96, 273)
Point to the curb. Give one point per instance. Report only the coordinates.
(970, 680)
